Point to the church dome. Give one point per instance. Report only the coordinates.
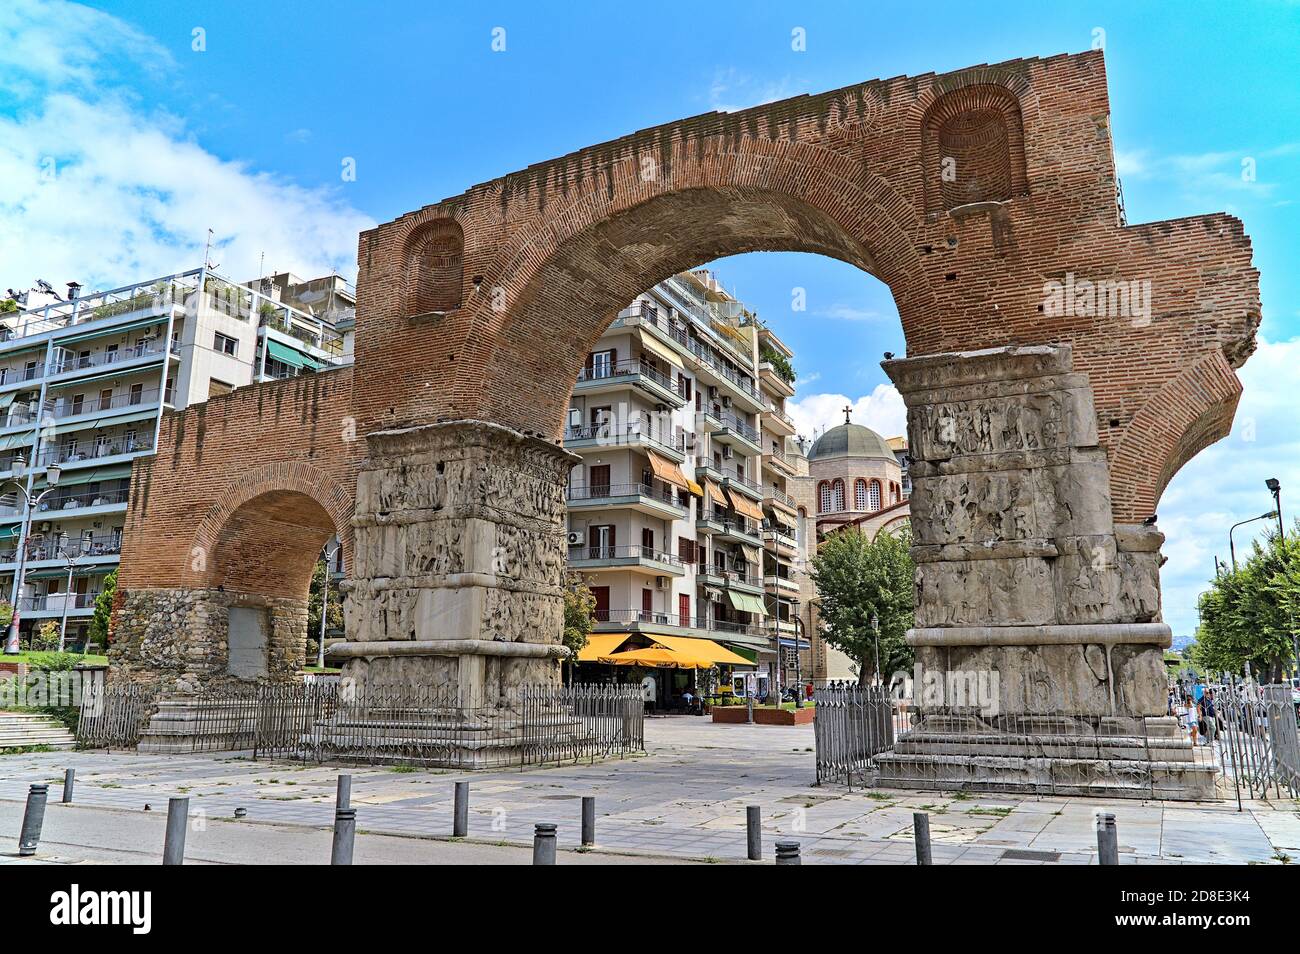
(850, 440)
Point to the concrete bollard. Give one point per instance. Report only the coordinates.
(749, 708)
(754, 832)
(460, 814)
(1107, 839)
(921, 831)
(345, 836)
(33, 819)
(543, 844)
(343, 796)
(787, 853)
(178, 810)
(69, 778)
(589, 819)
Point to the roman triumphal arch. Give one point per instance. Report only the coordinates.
(1061, 366)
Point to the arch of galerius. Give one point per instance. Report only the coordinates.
(1061, 365)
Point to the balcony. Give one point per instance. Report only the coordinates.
(779, 540)
(782, 586)
(655, 499)
(105, 450)
(737, 529)
(777, 461)
(778, 422)
(745, 485)
(641, 559)
(642, 314)
(646, 621)
(711, 521)
(66, 503)
(779, 498)
(16, 378)
(605, 377)
(68, 365)
(751, 634)
(54, 604)
(99, 548)
(773, 381)
(730, 429)
(605, 436)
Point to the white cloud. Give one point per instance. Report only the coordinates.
(94, 188)
(731, 91)
(1225, 482)
(882, 410)
(841, 312)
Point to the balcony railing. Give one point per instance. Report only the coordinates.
(735, 524)
(74, 501)
(71, 408)
(632, 551)
(779, 496)
(18, 375)
(67, 361)
(158, 294)
(627, 616)
(101, 544)
(733, 423)
(608, 434)
(72, 454)
(659, 491)
(616, 369)
(57, 602)
(743, 481)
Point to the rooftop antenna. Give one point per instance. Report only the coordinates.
(207, 254)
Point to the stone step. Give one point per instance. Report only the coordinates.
(27, 729)
(1129, 748)
(1124, 778)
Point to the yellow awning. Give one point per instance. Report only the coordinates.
(782, 509)
(752, 554)
(744, 505)
(716, 493)
(651, 344)
(657, 657)
(694, 487)
(600, 644)
(667, 471)
(705, 650)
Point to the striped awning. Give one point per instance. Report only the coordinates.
(743, 505)
(667, 471)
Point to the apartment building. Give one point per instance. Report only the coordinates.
(83, 384)
(681, 429)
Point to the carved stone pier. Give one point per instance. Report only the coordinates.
(459, 530)
(1027, 592)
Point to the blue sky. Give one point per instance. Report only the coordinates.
(162, 119)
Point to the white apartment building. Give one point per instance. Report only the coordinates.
(666, 510)
(84, 383)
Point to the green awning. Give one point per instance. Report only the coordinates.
(10, 441)
(750, 654)
(114, 330)
(292, 356)
(8, 398)
(9, 533)
(107, 419)
(747, 603)
(62, 574)
(90, 475)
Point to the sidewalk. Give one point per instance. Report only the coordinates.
(685, 801)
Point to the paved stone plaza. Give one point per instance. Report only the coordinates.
(684, 800)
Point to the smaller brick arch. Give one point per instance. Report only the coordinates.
(973, 148)
(433, 273)
(245, 540)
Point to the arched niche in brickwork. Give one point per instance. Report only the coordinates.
(973, 148)
(433, 273)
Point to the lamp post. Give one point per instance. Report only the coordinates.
(324, 605)
(798, 674)
(1241, 523)
(875, 642)
(30, 503)
(72, 558)
(1275, 488)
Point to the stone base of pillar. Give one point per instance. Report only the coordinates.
(184, 724)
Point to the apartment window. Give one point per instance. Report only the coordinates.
(169, 394)
(602, 364)
(105, 399)
(224, 343)
(29, 371)
(78, 402)
(217, 388)
(137, 394)
(130, 438)
(83, 359)
(110, 354)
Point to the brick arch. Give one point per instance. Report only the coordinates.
(1184, 417)
(565, 277)
(257, 510)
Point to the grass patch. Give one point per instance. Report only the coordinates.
(999, 811)
(30, 657)
(403, 769)
(25, 749)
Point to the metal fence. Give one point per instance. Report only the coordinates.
(852, 726)
(1254, 737)
(524, 725)
(113, 716)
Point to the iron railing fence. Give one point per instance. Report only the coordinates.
(1253, 737)
(853, 725)
(112, 717)
(336, 721)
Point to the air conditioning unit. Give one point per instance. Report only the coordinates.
(713, 391)
(726, 401)
(727, 452)
(45, 527)
(661, 582)
(575, 538)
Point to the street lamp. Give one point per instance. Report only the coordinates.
(1241, 523)
(324, 604)
(30, 503)
(1275, 488)
(875, 642)
(72, 558)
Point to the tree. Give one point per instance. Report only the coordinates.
(856, 578)
(1249, 614)
(334, 617)
(579, 616)
(779, 362)
(98, 629)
